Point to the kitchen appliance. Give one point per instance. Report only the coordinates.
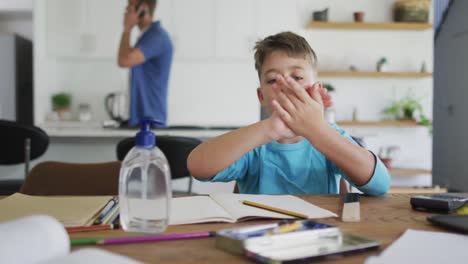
(16, 79)
(117, 106)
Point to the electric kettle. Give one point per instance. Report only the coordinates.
(116, 105)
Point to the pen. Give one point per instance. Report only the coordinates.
(140, 239)
(111, 214)
(91, 228)
(113, 218)
(274, 209)
(104, 211)
(101, 219)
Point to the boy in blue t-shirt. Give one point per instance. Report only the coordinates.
(294, 151)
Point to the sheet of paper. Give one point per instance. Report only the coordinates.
(232, 204)
(196, 209)
(32, 239)
(425, 247)
(70, 211)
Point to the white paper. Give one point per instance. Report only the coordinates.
(425, 247)
(92, 256)
(32, 239)
(233, 205)
(228, 208)
(196, 209)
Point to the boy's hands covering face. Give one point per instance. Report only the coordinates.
(279, 130)
(301, 109)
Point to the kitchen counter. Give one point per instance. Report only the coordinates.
(96, 130)
(77, 142)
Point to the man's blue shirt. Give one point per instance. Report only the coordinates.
(149, 80)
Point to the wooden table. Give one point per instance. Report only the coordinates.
(382, 218)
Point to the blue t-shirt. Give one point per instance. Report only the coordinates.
(297, 168)
(149, 80)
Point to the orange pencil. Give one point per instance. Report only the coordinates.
(91, 228)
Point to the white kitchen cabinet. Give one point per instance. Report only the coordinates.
(104, 27)
(235, 29)
(16, 5)
(84, 28)
(194, 27)
(64, 25)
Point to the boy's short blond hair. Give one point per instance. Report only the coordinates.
(293, 44)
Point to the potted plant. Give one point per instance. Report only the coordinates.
(329, 87)
(382, 65)
(61, 103)
(330, 111)
(408, 108)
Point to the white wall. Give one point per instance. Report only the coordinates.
(213, 79)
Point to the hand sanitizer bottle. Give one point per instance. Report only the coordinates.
(144, 185)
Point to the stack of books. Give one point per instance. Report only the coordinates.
(72, 212)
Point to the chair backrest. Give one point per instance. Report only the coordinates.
(176, 150)
(59, 178)
(12, 138)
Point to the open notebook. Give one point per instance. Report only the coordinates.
(44, 240)
(228, 208)
(70, 211)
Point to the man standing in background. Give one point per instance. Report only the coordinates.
(150, 62)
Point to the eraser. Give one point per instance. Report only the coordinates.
(351, 208)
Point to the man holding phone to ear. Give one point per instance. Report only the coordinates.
(149, 62)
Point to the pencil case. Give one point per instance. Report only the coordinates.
(312, 241)
(234, 240)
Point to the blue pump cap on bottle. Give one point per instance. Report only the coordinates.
(145, 138)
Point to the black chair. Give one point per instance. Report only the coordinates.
(19, 144)
(176, 150)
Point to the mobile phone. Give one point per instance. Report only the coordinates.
(143, 12)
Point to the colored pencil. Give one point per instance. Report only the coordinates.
(105, 210)
(140, 239)
(274, 209)
(114, 217)
(106, 215)
(84, 241)
(111, 214)
(91, 228)
(281, 229)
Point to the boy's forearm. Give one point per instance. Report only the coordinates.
(213, 156)
(356, 162)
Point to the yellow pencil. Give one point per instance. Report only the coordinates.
(281, 229)
(274, 209)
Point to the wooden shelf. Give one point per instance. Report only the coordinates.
(379, 123)
(361, 74)
(371, 26)
(408, 172)
(417, 190)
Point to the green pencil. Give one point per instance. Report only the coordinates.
(84, 241)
